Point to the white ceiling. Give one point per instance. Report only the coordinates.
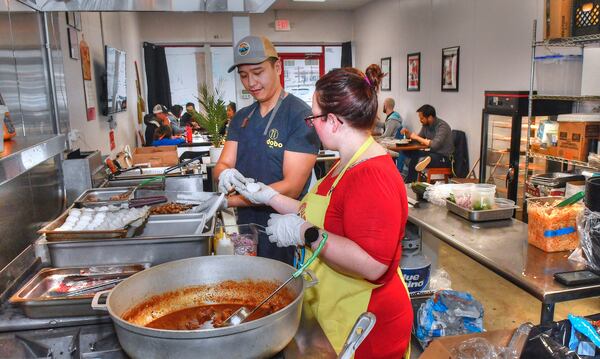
(327, 5)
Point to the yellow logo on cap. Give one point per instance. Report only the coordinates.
(243, 48)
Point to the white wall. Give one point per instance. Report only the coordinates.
(120, 31)
(495, 48)
(307, 27)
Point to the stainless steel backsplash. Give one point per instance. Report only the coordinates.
(32, 198)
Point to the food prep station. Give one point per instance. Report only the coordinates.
(49, 312)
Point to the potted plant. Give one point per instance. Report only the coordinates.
(212, 117)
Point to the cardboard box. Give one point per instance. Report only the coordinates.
(558, 18)
(163, 156)
(442, 347)
(574, 139)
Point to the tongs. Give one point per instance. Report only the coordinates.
(182, 164)
(96, 287)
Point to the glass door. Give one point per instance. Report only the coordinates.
(301, 72)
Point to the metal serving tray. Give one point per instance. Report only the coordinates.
(38, 301)
(102, 196)
(153, 250)
(188, 183)
(53, 235)
(505, 211)
(556, 179)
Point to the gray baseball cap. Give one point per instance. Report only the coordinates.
(252, 50)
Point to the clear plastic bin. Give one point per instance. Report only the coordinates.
(462, 195)
(552, 229)
(244, 238)
(483, 196)
(559, 74)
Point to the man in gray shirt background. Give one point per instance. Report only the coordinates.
(435, 134)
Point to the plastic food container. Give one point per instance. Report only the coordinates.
(559, 74)
(244, 238)
(483, 197)
(462, 195)
(552, 229)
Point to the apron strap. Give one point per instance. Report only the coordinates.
(273, 112)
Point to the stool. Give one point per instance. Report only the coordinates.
(431, 171)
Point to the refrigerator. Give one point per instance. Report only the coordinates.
(504, 127)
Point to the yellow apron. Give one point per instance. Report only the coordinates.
(337, 300)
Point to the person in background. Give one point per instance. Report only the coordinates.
(163, 136)
(267, 141)
(152, 124)
(231, 110)
(393, 121)
(188, 117)
(160, 114)
(174, 115)
(361, 207)
(435, 134)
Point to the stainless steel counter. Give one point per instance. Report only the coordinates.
(502, 247)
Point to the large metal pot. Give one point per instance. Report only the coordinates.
(260, 338)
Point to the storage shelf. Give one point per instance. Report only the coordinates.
(570, 41)
(561, 160)
(23, 153)
(565, 98)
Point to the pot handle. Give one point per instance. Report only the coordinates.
(312, 279)
(95, 302)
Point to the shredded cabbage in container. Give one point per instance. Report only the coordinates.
(553, 229)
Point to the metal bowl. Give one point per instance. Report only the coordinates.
(261, 338)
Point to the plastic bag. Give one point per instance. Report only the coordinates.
(477, 348)
(440, 279)
(588, 225)
(584, 338)
(554, 340)
(438, 193)
(577, 256)
(449, 312)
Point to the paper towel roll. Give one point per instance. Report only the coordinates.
(590, 82)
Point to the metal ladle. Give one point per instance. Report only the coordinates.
(240, 315)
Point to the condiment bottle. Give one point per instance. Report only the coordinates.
(224, 246)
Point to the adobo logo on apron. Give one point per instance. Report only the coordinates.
(272, 140)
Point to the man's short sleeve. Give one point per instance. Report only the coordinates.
(302, 138)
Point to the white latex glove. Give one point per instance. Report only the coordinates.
(231, 178)
(261, 196)
(284, 230)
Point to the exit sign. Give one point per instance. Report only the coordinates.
(282, 25)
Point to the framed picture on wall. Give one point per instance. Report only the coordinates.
(413, 72)
(73, 43)
(386, 68)
(450, 68)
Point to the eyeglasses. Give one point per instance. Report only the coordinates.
(310, 119)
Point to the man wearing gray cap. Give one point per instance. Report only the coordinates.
(267, 141)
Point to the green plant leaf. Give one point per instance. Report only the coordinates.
(213, 114)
